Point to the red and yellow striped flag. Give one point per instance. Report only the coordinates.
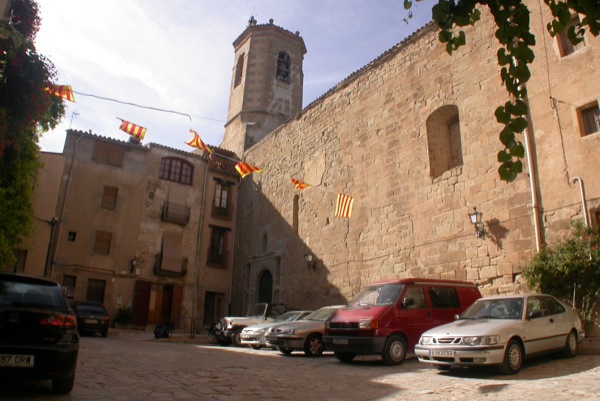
(132, 129)
(245, 169)
(196, 142)
(63, 91)
(299, 185)
(343, 205)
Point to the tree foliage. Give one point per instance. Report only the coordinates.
(26, 110)
(514, 55)
(570, 270)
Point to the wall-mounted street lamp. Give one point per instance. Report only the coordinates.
(308, 257)
(475, 218)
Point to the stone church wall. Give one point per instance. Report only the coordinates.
(376, 137)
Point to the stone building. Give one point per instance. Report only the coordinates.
(413, 139)
(141, 227)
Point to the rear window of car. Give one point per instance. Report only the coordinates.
(23, 294)
(90, 309)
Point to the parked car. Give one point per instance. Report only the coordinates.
(92, 317)
(228, 329)
(503, 331)
(38, 332)
(388, 317)
(304, 335)
(254, 336)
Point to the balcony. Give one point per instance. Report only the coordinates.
(175, 213)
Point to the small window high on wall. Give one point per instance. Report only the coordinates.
(284, 63)
(444, 140)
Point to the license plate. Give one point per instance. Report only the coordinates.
(342, 341)
(441, 352)
(245, 336)
(20, 361)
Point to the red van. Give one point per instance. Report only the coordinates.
(388, 317)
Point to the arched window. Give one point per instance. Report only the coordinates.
(177, 170)
(239, 70)
(444, 140)
(284, 64)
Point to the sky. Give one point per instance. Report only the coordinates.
(177, 56)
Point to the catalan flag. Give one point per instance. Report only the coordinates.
(245, 169)
(132, 129)
(63, 91)
(299, 185)
(343, 205)
(196, 142)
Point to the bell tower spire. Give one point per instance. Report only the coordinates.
(266, 84)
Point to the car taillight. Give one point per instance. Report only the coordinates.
(59, 321)
(105, 319)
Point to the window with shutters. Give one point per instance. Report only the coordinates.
(108, 153)
(109, 197)
(589, 119)
(217, 252)
(102, 242)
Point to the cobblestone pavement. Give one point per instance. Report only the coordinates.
(132, 366)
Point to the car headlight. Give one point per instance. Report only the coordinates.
(481, 340)
(262, 331)
(425, 340)
(368, 324)
(288, 331)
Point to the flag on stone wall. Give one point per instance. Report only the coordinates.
(63, 91)
(245, 169)
(343, 205)
(132, 129)
(196, 142)
(299, 185)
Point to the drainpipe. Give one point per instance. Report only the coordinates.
(198, 252)
(584, 208)
(534, 194)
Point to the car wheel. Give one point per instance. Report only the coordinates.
(571, 346)
(64, 385)
(257, 346)
(513, 358)
(105, 332)
(345, 357)
(313, 346)
(394, 351)
(285, 351)
(236, 338)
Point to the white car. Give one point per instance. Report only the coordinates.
(302, 335)
(254, 336)
(503, 331)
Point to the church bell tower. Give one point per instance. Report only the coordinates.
(266, 84)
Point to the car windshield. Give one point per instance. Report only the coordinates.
(257, 310)
(385, 294)
(287, 317)
(502, 308)
(321, 314)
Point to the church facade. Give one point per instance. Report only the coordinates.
(412, 139)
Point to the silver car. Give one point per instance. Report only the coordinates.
(302, 335)
(503, 331)
(254, 336)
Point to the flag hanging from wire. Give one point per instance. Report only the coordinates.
(63, 91)
(299, 185)
(343, 205)
(132, 129)
(245, 169)
(196, 142)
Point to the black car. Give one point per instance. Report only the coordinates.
(38, 332)
(92, 317)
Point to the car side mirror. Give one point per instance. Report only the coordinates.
(408, 302)
(534, 314)
(456, 317)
